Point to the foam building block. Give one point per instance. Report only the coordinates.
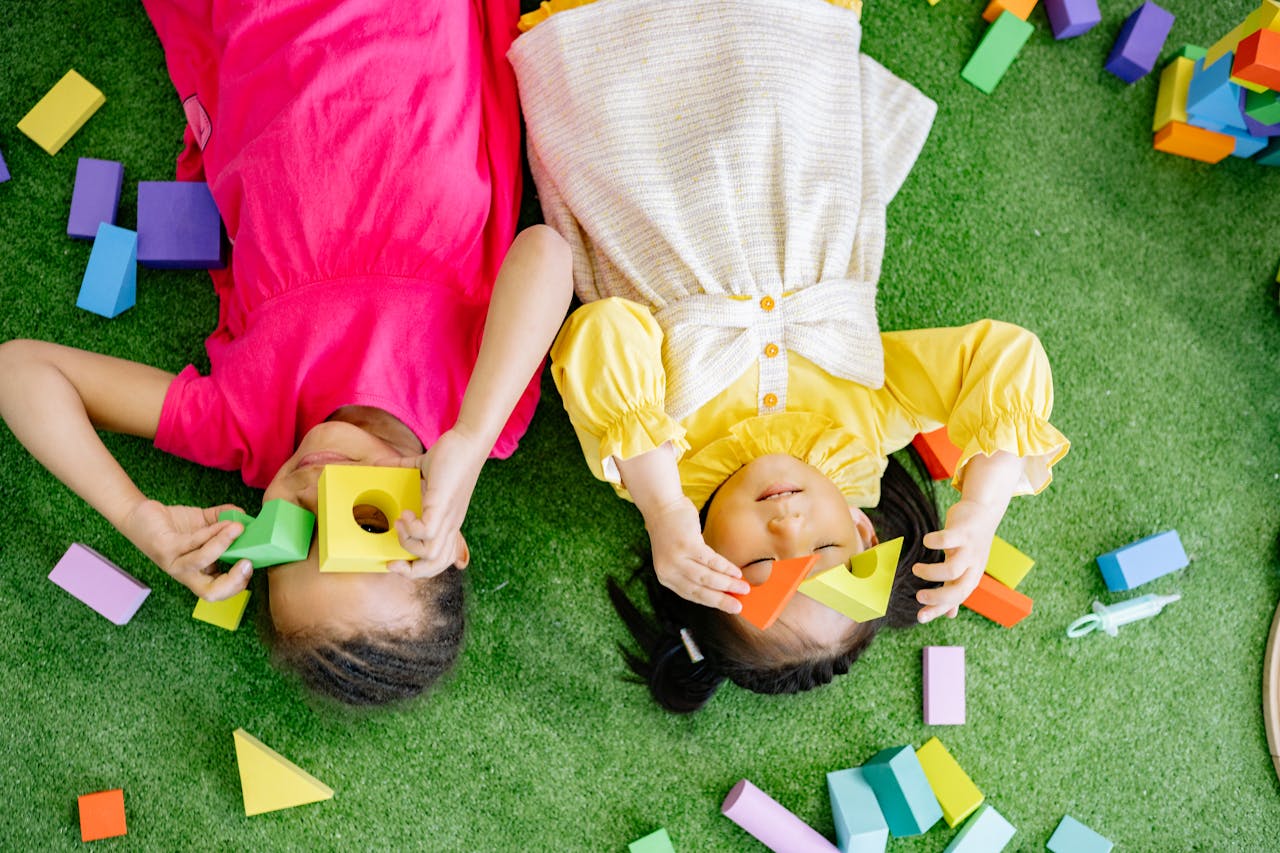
(1265, 130)
(344, 545)
(655, 842)
(1171, 97)
(110, 283)
(1211, 95)
(59, 114)
(1262, 107)
(1266, 16)
(1137, 47)
(986, 832)
(859, 589)
(1246, 144)
(939, 454)
(1191, 51)
(998, 603)
(762, 606)
(1194, 143)
(225, 614)
(1007, 564)
(1072, 836)
(770, 822)
(99, 583)
(1270, 157)
(1141, 561)
(1257, 60)
(860, 825)
(102, 815)
(280, 534)
(909, 804)
(944, 689)
(1071, 18)
(4, 170)
(269, 781)
(1000, 45)
(956, 793)
(179, 227)
(95, 197)
(1021, 8)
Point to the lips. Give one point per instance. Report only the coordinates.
(324, 457)
(779, 490)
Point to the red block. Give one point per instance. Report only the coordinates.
(998, 603)
(1258, 59)
(764, 603)
(102, 815)
(939, 454)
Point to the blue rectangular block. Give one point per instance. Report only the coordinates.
(860, 824)
(910, 807)
(986, 832)
(1141, 561)
(110, 282)
(178, 226)
(1070, 18)
(1072, 836)
(1211, 95)
(4, 170)
(96, 196)
(1142, 37)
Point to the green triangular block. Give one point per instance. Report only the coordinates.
(280, 534)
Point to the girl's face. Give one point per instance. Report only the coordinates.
(775, 508)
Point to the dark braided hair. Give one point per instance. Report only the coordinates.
(907, 508)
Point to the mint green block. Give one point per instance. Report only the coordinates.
(986, 832)
(1192, 52)
(997, 50)
(280, 534)
(909, 805)
(654, 842)
(1072, 836)
(1263, 107)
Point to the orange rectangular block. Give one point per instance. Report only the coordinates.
(1258, 59)
(939, 454)
(998, 603)
(102, 815)
(1196, 143)
(762, 605)
(1021, 8)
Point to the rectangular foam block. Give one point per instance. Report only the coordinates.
(998, 603)
(1007, 564)
(770, 822)
(225, 614)
(762, 606)
(4, 169)
(909, 804)
(1270, 157)
(344, 545)
(95, 197)
(99, 583)
(1138, 562)
(1171, 97)
(61, 112)
(860, 825)
(859, 589)
(1257, 60)
(1246, 143)
(1262, 107)
(1266, 16)
(956, 793)
(1211, 95)
(179, 227)
(102, 815)
(939, 454)
(1254, 127)
(1021, 8)
(110, 283)
(1142, 37)
(1191, 51)
(655, 842)
(944, 687)
(1072, 836)
(986, 832)
(1070, 18)
(280, 534)
(1195, 143)
(1000, 45)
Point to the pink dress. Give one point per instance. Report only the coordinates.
(365, 158)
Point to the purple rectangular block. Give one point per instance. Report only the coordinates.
(944, 685)
(99, 583)
(1070, 18)
(4, 170)
(96, 196)
(1142, 37)
(178, 226)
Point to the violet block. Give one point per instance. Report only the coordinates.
(944, 685)
(1070, 18)
(99, 583)
(4, 170)
(96, 196)
(1137, 48)
(770, 822)
(179, 227)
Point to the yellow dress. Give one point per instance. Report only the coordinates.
(988, 382)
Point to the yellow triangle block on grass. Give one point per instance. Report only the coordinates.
(224, 614)
(271, 782)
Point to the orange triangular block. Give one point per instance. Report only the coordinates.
(762, 605)
(270, 781)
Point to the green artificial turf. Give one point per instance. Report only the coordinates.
(1150, 280)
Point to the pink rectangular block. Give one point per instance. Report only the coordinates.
(99, 583)
(944, 685)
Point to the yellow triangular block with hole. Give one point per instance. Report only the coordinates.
(860, 588)
(271, 782)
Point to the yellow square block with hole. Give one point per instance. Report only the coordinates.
(1007, 564)
(860, 588)
(61, 112)
(224, 614)
(351, 491)
(955, 791)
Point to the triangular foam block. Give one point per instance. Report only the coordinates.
(270, 781)
(765, 602)
(859, 589)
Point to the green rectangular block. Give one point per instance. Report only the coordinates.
(654, 842)
(997, 50)
(1263, 107)
(1192, 52)
(280, 534)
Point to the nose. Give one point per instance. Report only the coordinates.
(786, 528)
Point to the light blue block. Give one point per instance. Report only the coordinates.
(1072, 836)
(1141, 561)
(1211, 94)
(909, 804)
(110, 282)
(860, 825)
(986, 832)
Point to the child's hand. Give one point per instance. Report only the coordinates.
(966, 540)
(685, 564)
(186, 542)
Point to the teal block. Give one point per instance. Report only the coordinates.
(1270, 157)
(110, 283)
(909, 804)
(1263, 107)
(860, 824)
(986, 832)
(654, 842)
(1000, 45)
(280, 534)
(1072, 836)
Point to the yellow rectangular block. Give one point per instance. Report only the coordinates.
(1245, 84)
(345, 490)
(860, 588)
(955, 791)
(225, 614)
(1007, 564)
(1265, 16)
(1171, 100)
(61, 112)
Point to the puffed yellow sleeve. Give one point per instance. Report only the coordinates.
(989, 383)
(607, 365)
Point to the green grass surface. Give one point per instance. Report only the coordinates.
(1150, 281)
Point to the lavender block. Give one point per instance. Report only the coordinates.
(99, 583)
(96, 196)
(943, 685)
(178, 226)
(1070, 18)
(770, 822)
(110, 283)
(1212, 96)
(1142, 37)
(4, 170)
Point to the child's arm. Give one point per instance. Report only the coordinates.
(530, 298)
(54, 398)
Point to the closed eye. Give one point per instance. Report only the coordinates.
(771, 559)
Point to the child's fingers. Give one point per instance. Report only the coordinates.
(714, 561)
(943, 540)
(211, 513)
(947, 570)
(223, 585)
(714, 580)
(201, 547)
(716, 600)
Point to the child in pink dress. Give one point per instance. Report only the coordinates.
(365, 159)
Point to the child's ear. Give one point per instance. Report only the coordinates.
(866, 529)
(461, 553)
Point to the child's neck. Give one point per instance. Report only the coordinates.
(383, 425)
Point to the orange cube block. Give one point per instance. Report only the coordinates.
(102, 815)
(998, 603)
(764, 603)
(1258, 59)
(1182, 139)
(1021, 8)
(939, 454)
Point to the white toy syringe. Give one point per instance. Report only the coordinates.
(1110, 618)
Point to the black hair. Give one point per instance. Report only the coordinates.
(907, 508)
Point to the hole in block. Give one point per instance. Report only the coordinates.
(372, 510)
